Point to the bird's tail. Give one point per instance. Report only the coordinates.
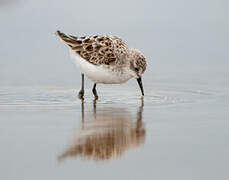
(69, 40)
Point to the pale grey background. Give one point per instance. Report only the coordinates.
(175, 36)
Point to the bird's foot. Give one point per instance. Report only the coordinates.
(95, 93)
(81, 95)
(96, 97)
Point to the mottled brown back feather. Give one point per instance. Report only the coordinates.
(96, 49)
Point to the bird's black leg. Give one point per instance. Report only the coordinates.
(81, 93)
(95, 92)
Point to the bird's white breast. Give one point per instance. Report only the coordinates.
(100, 73)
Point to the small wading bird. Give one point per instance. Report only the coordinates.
(105, 59)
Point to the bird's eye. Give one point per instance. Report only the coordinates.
(136, 69)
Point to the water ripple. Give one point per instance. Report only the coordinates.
(28, 96)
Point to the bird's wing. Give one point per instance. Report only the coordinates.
(96, 49)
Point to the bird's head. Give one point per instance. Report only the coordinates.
(137, 63)
(137, 66)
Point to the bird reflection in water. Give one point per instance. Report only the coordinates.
(107, 133)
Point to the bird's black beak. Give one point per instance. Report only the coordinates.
(140, 85)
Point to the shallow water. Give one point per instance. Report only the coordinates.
(46, 132)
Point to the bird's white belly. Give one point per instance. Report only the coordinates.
(100, 73)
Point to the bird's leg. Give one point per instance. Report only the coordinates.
(95, 92)
(81, 93)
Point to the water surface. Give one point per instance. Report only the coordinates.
(46, 132)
